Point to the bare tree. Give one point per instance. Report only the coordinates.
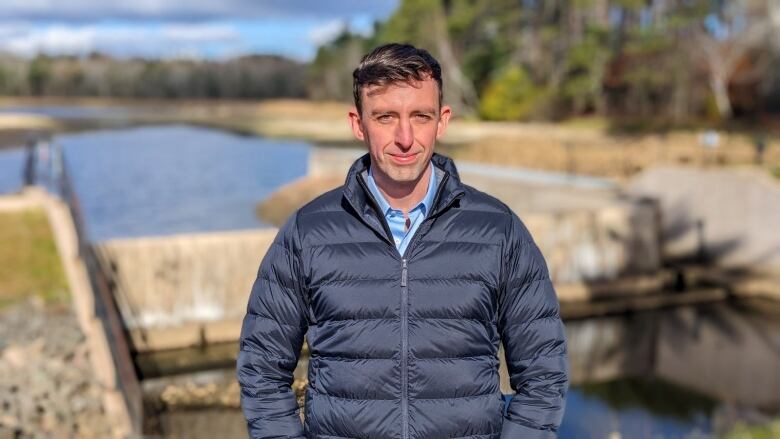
(726, 38)
(463, 87)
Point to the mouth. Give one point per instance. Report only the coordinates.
(404, 159)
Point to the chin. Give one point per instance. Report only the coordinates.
(405, 175)
(402, 178)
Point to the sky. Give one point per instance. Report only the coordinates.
(212, 29)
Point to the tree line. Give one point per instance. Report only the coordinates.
(656, 62)
(649, 61)
(256, 77)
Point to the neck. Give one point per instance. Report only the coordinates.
(405, 195)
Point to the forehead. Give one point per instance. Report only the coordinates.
(425, 93)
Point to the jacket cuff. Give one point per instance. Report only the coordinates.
(513, 430)
(289, 427)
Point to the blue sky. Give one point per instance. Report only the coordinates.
(215, 29)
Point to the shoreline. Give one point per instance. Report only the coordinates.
(585, 147)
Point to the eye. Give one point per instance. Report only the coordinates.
(423, 118)
(384, 118)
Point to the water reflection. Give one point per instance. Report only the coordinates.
(685, 372)
(636, 408)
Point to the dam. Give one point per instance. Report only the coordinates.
(169, 305)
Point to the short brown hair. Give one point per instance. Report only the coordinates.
(395, 62)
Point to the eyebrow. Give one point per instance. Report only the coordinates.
(421, 111)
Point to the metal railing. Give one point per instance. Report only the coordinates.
(105, 306)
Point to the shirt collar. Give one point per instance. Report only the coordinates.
(425, 204)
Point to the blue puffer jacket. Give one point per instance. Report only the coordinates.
(403, 346)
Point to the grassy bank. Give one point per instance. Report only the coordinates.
(770, 430)
(29, 262)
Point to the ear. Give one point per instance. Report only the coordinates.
(355, 123)
(444, 119)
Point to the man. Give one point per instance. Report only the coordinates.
(407, 280)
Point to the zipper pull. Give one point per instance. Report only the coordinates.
(403, 274)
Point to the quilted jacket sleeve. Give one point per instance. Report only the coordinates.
(271, 339)
(534, 340)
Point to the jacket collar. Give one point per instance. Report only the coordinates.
(358, 195)
(424, 205)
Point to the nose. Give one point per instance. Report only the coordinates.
(404, 135)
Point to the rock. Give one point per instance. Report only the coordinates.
(47, 386)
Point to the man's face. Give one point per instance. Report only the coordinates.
(400, 123)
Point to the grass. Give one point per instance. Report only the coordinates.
(29, 262)
(766, 431)
(658, 397)
(776, 172)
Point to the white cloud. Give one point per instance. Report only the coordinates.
(156, 41)
(10, 29)
(200, 33)
(326, 32)
(54, 40)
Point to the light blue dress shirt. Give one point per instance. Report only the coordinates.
(395, 218)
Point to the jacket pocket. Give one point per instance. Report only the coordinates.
(314, 365)
(309, 421)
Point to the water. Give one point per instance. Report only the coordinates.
(169, 179)
(636, 408)
(80, 112)
(11, 166)
(677, 373)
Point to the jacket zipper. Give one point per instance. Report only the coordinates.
(405, 320)
(404, 298)
(404, 349)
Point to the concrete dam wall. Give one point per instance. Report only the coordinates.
(192, 289)
(184, 290)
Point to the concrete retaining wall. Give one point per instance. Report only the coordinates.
(726, 216)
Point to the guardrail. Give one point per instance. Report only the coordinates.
(105, 307)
